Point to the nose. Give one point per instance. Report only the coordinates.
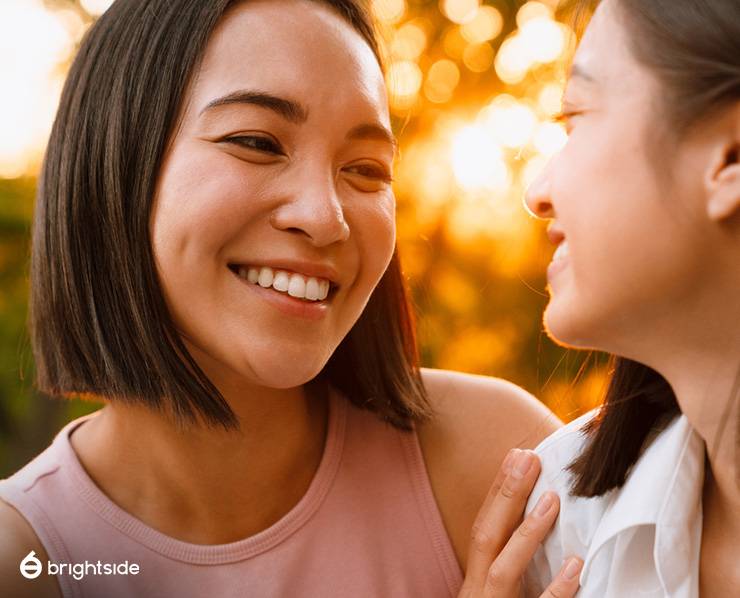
(537, 197)
(313, 210)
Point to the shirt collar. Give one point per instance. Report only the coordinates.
(663, 489)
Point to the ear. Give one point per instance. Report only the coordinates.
(722, 181)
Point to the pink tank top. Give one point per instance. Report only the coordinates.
(367, 526)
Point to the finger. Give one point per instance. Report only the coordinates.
(498, 520)
(505, 572)
(565, 585)
(503, 472)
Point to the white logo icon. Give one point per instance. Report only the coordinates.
(30, 566)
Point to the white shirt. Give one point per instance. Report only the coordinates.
(640, 540)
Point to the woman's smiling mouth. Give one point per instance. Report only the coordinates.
(559, 260)
(292, 293)
(299, 286)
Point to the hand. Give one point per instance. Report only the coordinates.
(501, 548)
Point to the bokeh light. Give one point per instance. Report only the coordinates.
(513, 60)
(478, 57)
(389, 11)
(96, 7)
(39, 42)
(442, 78)
(404, 80)
(509, 121)
(478, 161)
(550, 99)
(532, 10)
(484, 26)
(550, 138)
(409, 42)
(543, 39)
(460, 11)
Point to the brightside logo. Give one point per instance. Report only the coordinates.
(31, 567)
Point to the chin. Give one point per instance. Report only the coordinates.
(565, 328)
(286, 370)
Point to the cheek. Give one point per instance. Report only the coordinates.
(630, 247)
(201, 202)
(373, 223)
(607, 197)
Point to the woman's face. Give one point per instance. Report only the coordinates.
(624, 207)
(280, 172)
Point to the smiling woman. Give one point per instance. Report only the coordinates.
(644, 202)
(214, 258)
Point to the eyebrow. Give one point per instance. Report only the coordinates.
(373, 131)
(288, 109)
(297, 113)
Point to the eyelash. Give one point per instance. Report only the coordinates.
(375, 173)
(379, 174)
(274, 148)
(241, 140)
(565, 116)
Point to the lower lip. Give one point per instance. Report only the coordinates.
(290, 306)
(555, 268)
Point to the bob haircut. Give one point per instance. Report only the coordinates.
(98, 320)
(693, 48)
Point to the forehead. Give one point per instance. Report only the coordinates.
(300, 49)
(604, 54)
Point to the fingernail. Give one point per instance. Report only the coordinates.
(544, 504)
(522, 465)
(572, 568)
(508, 462)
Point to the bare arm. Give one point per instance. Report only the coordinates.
(477, 421)
(17, 539)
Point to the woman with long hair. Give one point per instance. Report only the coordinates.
(644, 205)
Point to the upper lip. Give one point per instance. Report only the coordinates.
(307, 268)
(555, 235)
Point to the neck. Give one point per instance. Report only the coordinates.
(206, 485)
(706, 381)
(695, 346)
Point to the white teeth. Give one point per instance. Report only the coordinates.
(323, 289)
(561, 252)
(281, 282)
(265, 277)
(296, 285)
(312, 289)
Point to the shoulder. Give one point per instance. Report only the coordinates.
(17, 540)
(484, 411)
(476, 421)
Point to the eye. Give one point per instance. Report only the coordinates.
(566, 118)
(260, 143)
(371, 171)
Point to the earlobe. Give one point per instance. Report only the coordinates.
(723, 187)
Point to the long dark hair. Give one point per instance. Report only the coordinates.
(694, 50)
(99, 323)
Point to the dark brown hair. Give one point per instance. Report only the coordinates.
(693, 48)
(98, 319)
